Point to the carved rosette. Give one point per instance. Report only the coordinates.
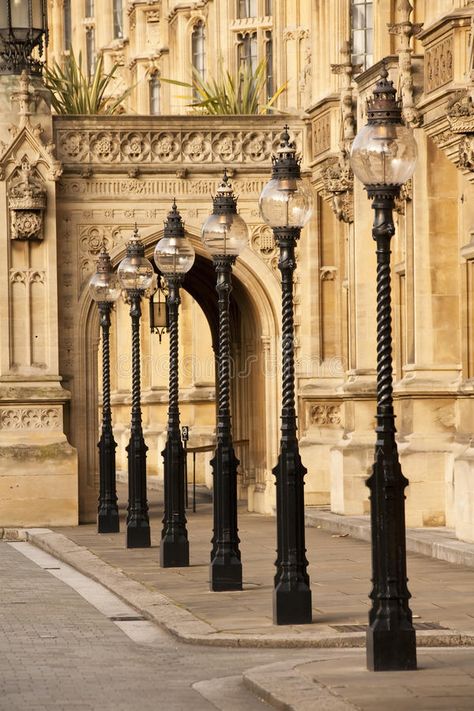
(325, 415)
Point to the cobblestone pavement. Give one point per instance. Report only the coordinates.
(59, 652)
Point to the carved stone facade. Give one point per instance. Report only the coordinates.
(120, 170)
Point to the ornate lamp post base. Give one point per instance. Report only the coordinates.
(292, 603)
(391, 650)
(174, 546)
(108, 522)
(138, 524)
(225, 570)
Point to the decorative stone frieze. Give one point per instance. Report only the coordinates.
(321, 129)
(439, 64)
(31, 418)
(165, 146)
(295, 33)
(327, 415)
(146, 188)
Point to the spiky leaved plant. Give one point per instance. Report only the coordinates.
(225, 94)
(74, 92)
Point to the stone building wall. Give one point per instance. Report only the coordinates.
(126, 169)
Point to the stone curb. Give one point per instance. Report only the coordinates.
(437, 543)
(181, 622)
(281, 686)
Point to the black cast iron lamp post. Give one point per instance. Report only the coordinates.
(104, 287)
(286, 204)
(136, 277)
(23, 28)
(225, 235)
(383, 158)
(174, 257)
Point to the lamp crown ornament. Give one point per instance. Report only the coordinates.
(134, 247)
(104, 263)
(285, 164)
(174, 226)
(224, 202)
(383, 107)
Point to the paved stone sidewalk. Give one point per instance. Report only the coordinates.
(59, 653)
(340, 577)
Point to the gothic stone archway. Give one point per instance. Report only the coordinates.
(126, 170)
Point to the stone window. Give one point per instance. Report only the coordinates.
(67, 25)
(89, 10)
(198, 48)
(362, 32)
(154, 87)
(248, 55)
(90, 50)
(269, 61)
(268, 7)
(118, 19)
(247, 8)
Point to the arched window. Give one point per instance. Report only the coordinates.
(118, 19)
(362, 32)
(198, 48)
(154, 93)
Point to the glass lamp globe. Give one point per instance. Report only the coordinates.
(286, 202)
(135, 271)
(384, 154)
(174, 255)
(104, 284)
(225, 234)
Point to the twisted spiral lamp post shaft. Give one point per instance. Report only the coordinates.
(138, 525)
(391, 642)
(226, 566)
(174, 549)
(108, 516)
(292, 593)
(286, 206)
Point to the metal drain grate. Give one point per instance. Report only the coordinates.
(363, 628)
